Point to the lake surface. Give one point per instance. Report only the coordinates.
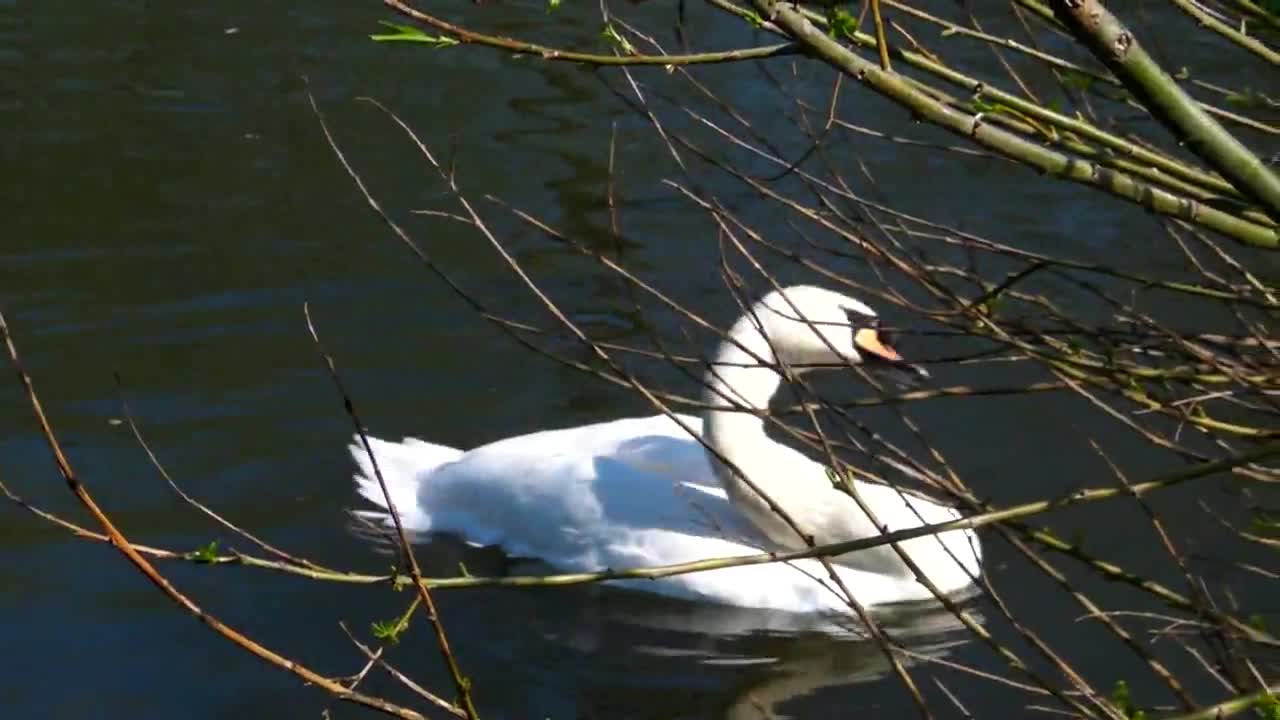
(170, 203)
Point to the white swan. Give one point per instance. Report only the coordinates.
(642, 491)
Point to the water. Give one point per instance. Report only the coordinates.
(170, 203)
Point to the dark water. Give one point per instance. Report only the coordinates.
(170, 202)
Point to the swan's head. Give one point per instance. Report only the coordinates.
(813, 326)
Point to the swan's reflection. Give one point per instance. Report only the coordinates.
(594, 651)
(762, 659)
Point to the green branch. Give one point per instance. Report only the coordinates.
(1118, 48)
(1253, 45)
(1264, 698)
(1018, 512)
(456, 34)
(1008, 144)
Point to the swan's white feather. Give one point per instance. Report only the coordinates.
(634, 492)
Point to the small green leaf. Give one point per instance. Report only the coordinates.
(1267, 708)
(1120, 693)
(409, 33)
(982, 106)
(205, 554)
(388, 630)
(611, 34)
(1124, 702)
(552, 6)
(841, 23)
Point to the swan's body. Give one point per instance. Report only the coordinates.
(640, 492)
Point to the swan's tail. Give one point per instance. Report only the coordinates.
(405, 466)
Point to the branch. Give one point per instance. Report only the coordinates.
(1116, 46)
(1009, 145)
(464, 35)
(460, 682)
(122, 543)
(1253, 45)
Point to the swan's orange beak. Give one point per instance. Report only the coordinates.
(868, 340)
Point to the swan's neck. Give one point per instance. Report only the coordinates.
(740, 380)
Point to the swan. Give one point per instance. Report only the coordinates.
(638, 492)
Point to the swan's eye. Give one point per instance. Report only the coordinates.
(857, 318)
(878, 332)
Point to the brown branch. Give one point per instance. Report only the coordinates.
(122, 543)
(460, 682)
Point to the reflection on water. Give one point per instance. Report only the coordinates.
(622, 645)
(765, 670)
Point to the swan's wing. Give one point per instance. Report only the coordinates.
(561, 495)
